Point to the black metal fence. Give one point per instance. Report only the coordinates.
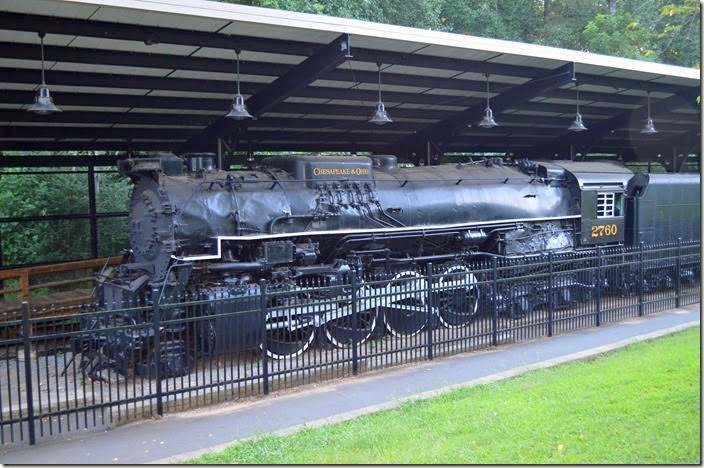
(81, 367)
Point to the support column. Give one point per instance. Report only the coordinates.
(2, 282)
(92, 211)
(219, 155)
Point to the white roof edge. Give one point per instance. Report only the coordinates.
(257, 15)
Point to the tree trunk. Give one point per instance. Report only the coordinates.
(612, 7)
(545, 9)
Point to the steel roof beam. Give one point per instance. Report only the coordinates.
(448, 128)
(177, 62)
(358, 145)
(670, 152)
(519, 122)
(175, 135)
(515, 123)
(54, 146)
(158, 146)
(191, 63)
(113, 118)
(215, 104)
(13, 50)
(57, 161)
(61, 133)
(270, 95)
(598, 130)
(353, 130)
(133, 32)
(108, 30)
(20, 117)
(107, 80)
(154, 34)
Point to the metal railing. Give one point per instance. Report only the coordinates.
(24, 275)
(94, 368)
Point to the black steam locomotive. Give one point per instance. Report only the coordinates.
(211, 233)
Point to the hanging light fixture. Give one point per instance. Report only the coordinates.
(43, 104)
(380, 116)
(239, 109)
(488, 119)
(649, 128)
(578, 124)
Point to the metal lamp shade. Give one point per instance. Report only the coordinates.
(649, 128)
(488, 119)
(577, 125)
(43, 104)
(239, 109)
(380, 116)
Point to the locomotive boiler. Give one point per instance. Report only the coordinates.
(211, 233)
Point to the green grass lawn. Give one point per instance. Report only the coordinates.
(637, 405)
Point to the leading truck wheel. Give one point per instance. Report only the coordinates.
(403, 302)
(284, 343)
(458, 296)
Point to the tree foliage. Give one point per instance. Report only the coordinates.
(30, 195)
(620, 34)
(678, 33)
(655, 30)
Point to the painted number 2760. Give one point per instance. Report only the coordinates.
(604, 230)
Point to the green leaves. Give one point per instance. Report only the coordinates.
(23, 195)
(645, 30)
(618, 35)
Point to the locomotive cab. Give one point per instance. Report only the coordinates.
(601, 189)
(603, 220)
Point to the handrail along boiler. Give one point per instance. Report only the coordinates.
(213, 233)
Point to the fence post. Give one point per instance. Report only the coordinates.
(494, 304)
(551, 292)
(265, 356)
(156, 324)
(429, 306)
(599, 282)
(641, 280)
(28, 372)
(678, 273)
(355, 285)
(24, 285)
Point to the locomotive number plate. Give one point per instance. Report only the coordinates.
(604, 230)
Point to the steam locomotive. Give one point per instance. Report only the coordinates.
(210, 233)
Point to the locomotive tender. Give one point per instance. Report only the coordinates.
(199, 230)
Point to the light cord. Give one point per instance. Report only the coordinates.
(378, 65)
(41, 38)
(487, 91)
(238, 71)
